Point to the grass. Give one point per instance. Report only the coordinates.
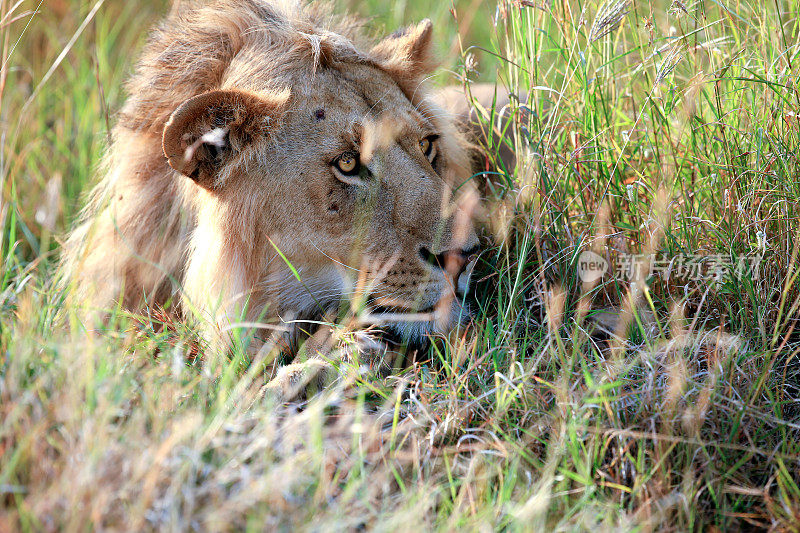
(666, 128)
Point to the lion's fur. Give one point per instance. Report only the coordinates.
(149, 235)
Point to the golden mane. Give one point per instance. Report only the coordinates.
(191, 51)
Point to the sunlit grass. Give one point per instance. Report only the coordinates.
(657, 127)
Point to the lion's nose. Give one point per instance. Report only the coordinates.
(452, 261)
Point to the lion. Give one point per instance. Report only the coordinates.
(270, 162)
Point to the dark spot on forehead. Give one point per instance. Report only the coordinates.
(319, 114)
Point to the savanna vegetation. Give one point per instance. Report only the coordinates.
(664, 129)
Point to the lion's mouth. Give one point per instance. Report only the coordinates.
(447, 309)
(442, 311)
(399, 310)
(382, 306)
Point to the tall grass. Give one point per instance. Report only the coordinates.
(666, 128)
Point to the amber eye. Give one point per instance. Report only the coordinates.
(347, 163)
(426, 145)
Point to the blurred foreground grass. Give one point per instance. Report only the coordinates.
(665, 128)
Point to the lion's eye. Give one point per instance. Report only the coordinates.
(426, 145)
(347, 163)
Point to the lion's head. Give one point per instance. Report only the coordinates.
(315, 168)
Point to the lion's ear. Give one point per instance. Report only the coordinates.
(207, 131)
(408, 51)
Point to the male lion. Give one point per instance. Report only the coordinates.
(269, 164)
